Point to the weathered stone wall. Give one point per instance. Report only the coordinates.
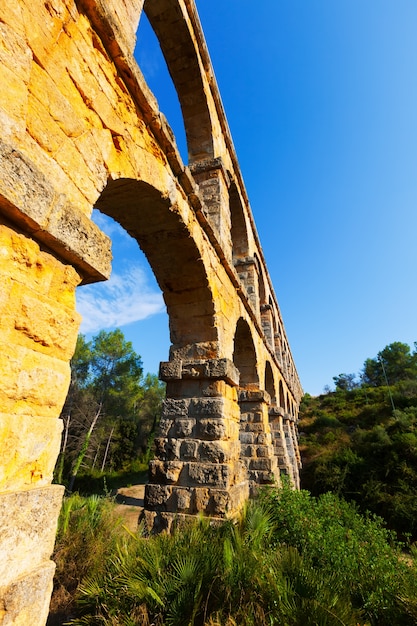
(79, 128)
(38, 330)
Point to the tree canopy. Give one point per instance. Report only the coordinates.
(396, 362)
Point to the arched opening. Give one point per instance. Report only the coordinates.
(131, 299)
(172, 254)
(269, 383)
(244, 356)
(267, 323)
(261, 282)
(154, 68)
(256, 451)
(179, 51)
(239, 232)
(281, 396)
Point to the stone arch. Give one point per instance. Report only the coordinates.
(149, 217)
(160, 81)
(269, 383)
(86, 120)
(239, 229)
(244, 356)
(186, 72)
(261, 282)
(281, 396)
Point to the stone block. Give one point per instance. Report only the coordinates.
(223, 369)
(160, 444)
(170, 370)
(32, 383)
(264, 464)
(25, 602)
(247, 451)
(157, 496)
(219, 503)
(173, 408)
(206, 407)
(247, 437)
(29, 449)
(253, 427)
(165, 472)
(183, 498)
(211, 429)
(28, 521)
(215, 475)
(23, 186)
(255, 395)
(189, 450)
(214, 452)
(263, 438)
(183, 428)
(257, 416)
(200, 500)
(46, 326)
(264, 451)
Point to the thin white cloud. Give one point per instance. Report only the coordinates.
(109, 226)
(123, 299)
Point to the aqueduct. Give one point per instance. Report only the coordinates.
(81, 129)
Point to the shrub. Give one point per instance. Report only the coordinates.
(359, 550)
(289, 559)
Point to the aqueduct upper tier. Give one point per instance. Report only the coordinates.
(81, 129)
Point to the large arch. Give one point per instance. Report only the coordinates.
(239, 228)
(186, 72)
(156, 224)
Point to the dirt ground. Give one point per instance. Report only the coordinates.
(130, 504)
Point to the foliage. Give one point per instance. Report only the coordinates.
(289, 559)
(393, 364)
(355, 444)
(335, 538)
(88, 532)
(345, 382)
(111, 411)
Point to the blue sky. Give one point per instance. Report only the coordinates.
(321, 99)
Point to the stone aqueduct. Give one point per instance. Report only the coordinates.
(81, 129)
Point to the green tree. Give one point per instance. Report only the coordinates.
(115, 372)
(110, 407)
(393, 364)
(345, 382)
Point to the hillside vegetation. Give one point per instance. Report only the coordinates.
(360, 441)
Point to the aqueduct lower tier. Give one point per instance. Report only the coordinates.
(80, 129)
